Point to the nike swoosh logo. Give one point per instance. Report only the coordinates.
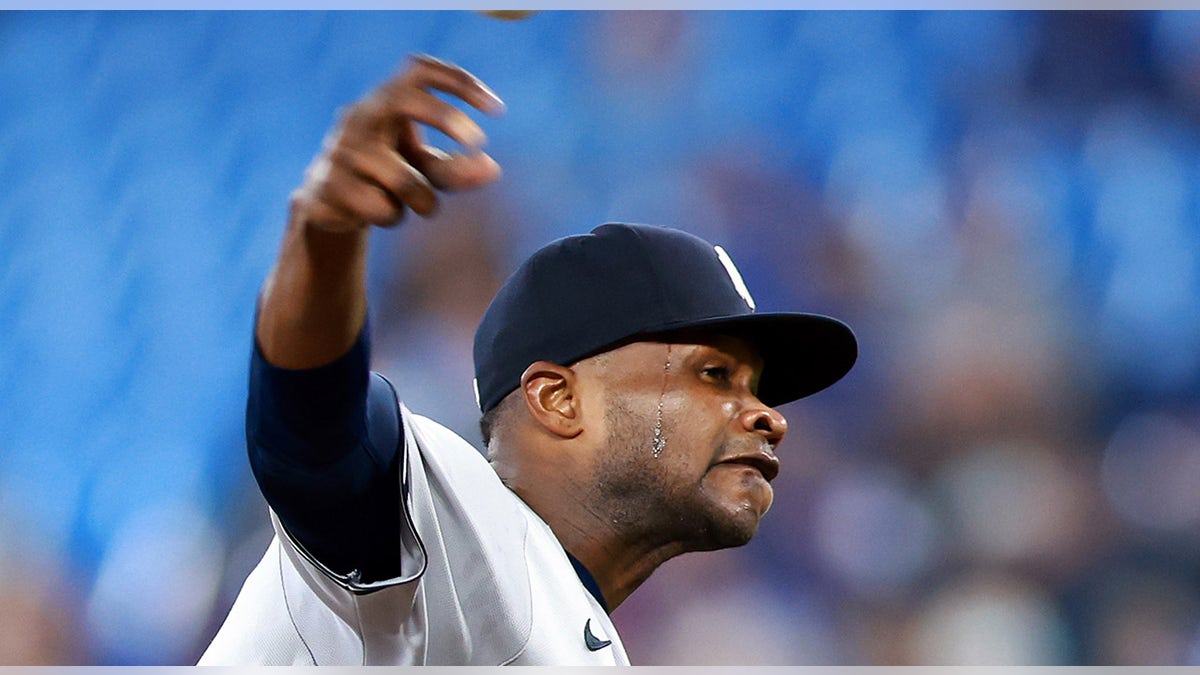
(593, 643)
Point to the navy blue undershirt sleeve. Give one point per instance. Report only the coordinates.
(324, 446)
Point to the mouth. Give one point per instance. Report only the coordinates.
(763, 461)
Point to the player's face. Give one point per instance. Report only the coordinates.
(709, 484)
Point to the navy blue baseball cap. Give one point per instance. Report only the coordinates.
(580, 295)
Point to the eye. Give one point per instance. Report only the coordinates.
(719, 373)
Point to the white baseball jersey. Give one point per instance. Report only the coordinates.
(485, 582)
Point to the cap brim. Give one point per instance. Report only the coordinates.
(802, 353)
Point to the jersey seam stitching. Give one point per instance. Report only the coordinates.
(288, 606)
(362, 638)
(529, 633)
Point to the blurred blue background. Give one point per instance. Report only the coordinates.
(1005, 206)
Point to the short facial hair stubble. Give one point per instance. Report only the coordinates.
(648, 497)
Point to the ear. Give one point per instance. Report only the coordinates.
(550, 397)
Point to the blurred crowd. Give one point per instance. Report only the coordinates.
(1004, 205)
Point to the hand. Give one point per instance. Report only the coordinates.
(374, 164)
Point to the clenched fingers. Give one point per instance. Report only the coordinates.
(454, 172)
(387, 170)
(375, 164)
(432, 73)
(390, 115)
(407, 98)
(344, 196)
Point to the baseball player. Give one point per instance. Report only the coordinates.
(625, 382)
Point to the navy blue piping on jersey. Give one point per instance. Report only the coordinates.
(588, 581)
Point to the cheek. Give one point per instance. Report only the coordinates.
(696, 430)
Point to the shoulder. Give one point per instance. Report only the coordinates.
(475, 533)
(438, 449)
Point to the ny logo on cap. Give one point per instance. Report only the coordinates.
(735, 276)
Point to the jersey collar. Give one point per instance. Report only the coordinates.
(588, 581)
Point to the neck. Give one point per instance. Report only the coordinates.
(619, 567)
(618, 560)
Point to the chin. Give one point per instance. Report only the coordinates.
(727, 538)
(733, 519)
(739, 536)
(729, 527)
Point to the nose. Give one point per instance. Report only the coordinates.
(764, 420)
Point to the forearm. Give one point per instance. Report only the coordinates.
(313, 304)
